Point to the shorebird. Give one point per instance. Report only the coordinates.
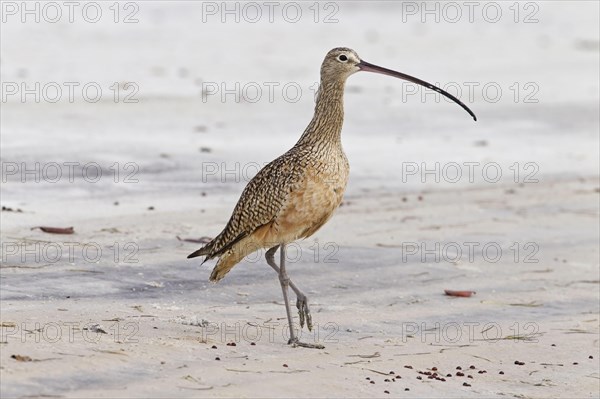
(297, 193)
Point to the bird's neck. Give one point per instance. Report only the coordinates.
(325, 128)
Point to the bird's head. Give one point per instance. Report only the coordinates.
(341, 62)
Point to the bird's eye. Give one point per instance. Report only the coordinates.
(342, 58)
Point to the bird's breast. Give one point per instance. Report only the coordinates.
(313, 200)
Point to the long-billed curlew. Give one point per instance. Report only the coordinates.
(297, 193)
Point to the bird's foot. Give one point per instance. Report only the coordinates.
(296, 343)
(304, 312)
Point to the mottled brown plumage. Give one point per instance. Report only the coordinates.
(296, 194)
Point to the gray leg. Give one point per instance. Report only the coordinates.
(285, 283)
(284, 280)
(301, 299)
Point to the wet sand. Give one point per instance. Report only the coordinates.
(116, 309)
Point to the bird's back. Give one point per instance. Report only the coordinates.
(290, 198)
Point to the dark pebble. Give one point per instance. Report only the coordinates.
(472, 367)
(458, 368)
(466, 385)
(590, 357)
(150, 208)
(448, 375)
(9, 209)
(217, 358)
(386, 391)
(252, 343)
(372, 382)
(368, 378)
(391, 372)
(460, 374)
(553, 345)
(575, 363)
(408, 367)
(502, 372)
(470, 376)
(386, 380)
(214, 347)
(285, 365)
(419, 377)
(406, 389)
(518, 363)
(434, 369)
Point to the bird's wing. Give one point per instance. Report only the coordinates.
(260, 203)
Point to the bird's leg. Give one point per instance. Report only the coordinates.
(303, 309)
(284, 280)
(301, 299)
(285, 283)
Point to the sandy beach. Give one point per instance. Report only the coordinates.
(506, 207)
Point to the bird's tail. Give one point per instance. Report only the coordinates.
(205, 250)
(234, 255)
(225, 264)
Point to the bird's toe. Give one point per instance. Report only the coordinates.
(304, 312)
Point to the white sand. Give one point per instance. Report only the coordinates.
(377, 304)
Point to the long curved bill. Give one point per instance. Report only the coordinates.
(365, 66)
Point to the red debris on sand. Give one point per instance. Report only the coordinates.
(201, 240)
(464, 294)
(55, 230)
